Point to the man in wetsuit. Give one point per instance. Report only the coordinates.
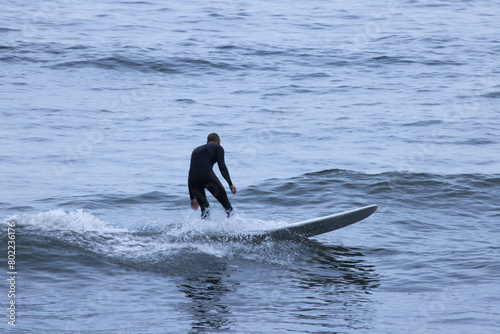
(201, 176)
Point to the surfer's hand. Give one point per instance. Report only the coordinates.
(194, 204)
(233, 189)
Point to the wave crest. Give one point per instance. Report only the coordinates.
(59, 219)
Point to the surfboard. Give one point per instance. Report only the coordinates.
(317, 226)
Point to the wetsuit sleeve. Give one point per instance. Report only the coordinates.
(191, 195)
(222, 165)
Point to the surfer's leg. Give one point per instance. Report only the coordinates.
(204, 206)
(218, 191)
(205, 213)
(198, 190)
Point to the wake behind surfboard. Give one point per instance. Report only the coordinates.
(317, 226)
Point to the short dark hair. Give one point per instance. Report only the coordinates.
(213, 137)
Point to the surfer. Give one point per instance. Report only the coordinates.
(202, 176)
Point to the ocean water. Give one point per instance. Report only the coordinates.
(322, 107)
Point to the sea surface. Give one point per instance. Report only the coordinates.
(322, 107)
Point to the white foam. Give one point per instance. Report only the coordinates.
(187, 237)
(59, 219)
(219, 224)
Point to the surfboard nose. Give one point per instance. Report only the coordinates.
(317, 226)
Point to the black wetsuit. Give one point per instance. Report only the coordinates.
(201, 176)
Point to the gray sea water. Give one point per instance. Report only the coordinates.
(322, 106)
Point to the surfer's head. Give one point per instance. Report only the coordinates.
(213, 138)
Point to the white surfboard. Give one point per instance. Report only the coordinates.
(316, 226)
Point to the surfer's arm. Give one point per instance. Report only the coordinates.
(191, 195)
(222, 166)
(194, 202)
